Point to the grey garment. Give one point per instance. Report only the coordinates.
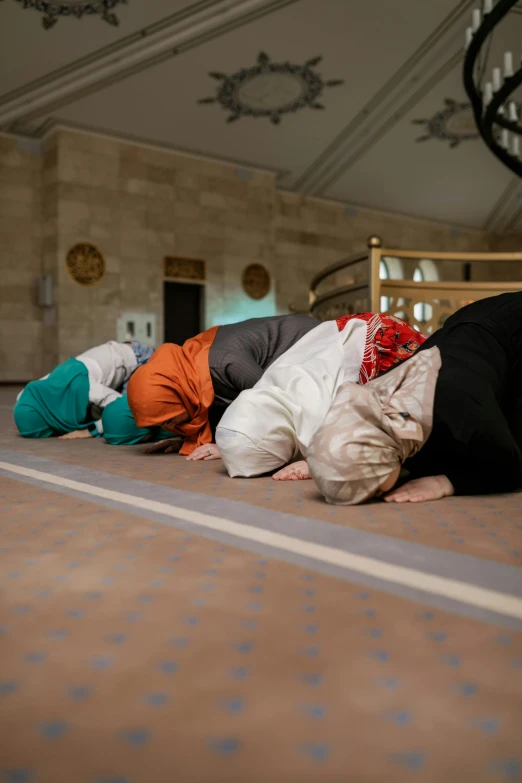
(242, 352)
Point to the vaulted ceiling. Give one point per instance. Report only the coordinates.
(379, 121)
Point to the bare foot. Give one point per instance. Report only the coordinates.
(295, 472)
(421, 490)
(76, 435)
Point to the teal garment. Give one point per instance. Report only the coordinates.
(57, 405)
(120, 429)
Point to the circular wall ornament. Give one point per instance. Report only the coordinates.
(270, 89)
(256, 281)
(85, 264)
(77, 8)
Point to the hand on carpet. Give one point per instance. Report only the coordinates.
(76, 435)
(207, 452)
(297, 471)
(167, 446)
(421, 490)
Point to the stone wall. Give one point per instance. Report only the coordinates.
(49, 342)
(509, 243)
(138, 204)
(311, 234)
(501, 270)
(20, 248)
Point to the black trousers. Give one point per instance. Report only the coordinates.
(477, 425)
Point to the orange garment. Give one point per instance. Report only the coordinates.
(176, 380)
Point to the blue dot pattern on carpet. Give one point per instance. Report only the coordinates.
(241, 673)
(315, 705)
(313, 679)
(316, 711)
(410, 760)
(102, 662)
(36, 657)
(234, 706)
(169, 667)
(224, 746)
(156, 699)
(80, 692)
(8, 687)
(506, 769)
(53, 729)
(137, 737)
(315, 751)
(113, 780)
(17, 776)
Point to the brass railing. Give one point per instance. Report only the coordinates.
(354, 284)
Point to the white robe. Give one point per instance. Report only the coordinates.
(274, 422)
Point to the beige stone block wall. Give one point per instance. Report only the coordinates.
(503, 270)
(509, 243)
(311, 234)
(20, 244)
(49, 252)
(139, 204)
(96, 204)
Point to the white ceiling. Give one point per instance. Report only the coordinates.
(398, 60)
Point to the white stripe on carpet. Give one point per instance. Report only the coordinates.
(491, 600)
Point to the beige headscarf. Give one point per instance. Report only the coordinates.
(370, 430)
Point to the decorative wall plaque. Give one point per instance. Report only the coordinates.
(256, 281)
(188, 268)
(85, 264)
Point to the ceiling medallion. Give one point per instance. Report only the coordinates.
(85, 264)
(270, 89)
(76, 8)
(455, 124)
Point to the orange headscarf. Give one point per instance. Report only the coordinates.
(176, 380)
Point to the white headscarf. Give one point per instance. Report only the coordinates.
(272, 424)
(370, 430)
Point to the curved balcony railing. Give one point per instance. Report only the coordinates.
(422, 287)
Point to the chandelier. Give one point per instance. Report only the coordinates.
(77, 8)
(496, 114)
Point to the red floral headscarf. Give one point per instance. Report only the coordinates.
(389, 341)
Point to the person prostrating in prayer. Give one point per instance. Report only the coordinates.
(120, 429)
(451, 417)
(69, 402)
(272, 424)
(185, 388)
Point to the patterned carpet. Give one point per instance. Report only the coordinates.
(161, 622)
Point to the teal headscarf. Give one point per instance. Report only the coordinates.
(120, 429)
(56, 405)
